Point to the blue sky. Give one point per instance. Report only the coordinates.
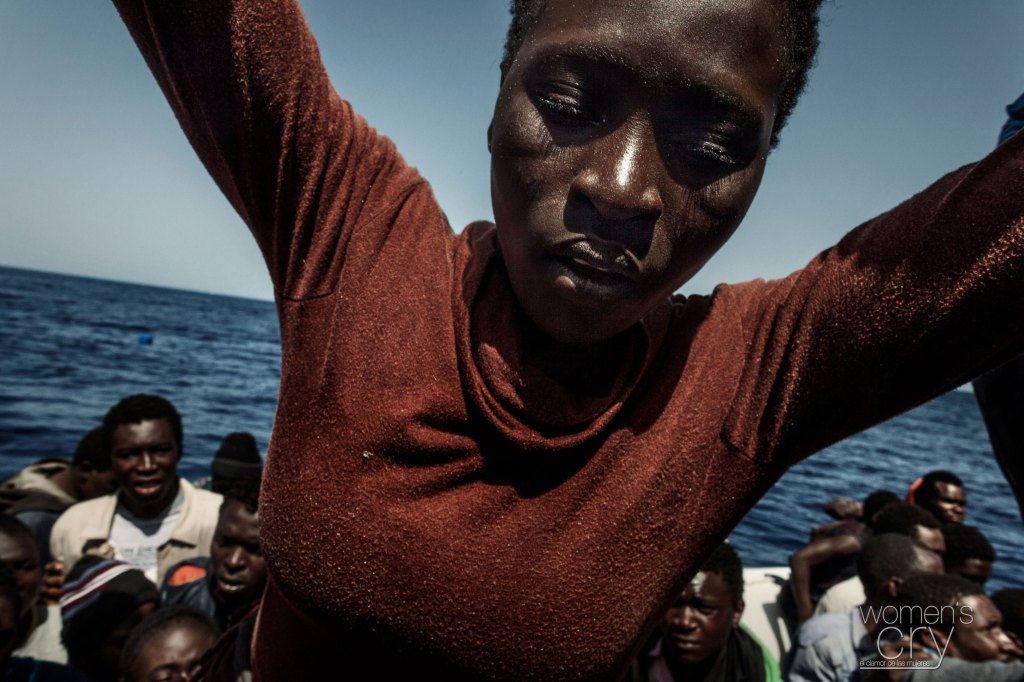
(97, 178)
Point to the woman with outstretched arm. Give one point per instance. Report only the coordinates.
(499, 454)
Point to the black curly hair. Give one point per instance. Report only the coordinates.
(141, 407)
(245, 491)
(928, 490)
(966, 542)
(1010, 602)
(887, 556)
(726, 562)
(799, 19)
(876, 502)
(93, 449)
(938, 591)
(158, 622)
(902, 518)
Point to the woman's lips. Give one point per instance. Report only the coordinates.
(593, 256)
(595, 269)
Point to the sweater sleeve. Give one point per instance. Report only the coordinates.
(906, 306)
(245, 80)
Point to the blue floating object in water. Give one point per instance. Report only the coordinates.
(145, 339)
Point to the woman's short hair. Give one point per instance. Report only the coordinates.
(799, 20)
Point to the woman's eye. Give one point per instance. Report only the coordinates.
(718, 153)
(711, 154)
(567, 110)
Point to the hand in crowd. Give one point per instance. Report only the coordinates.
(53, 582)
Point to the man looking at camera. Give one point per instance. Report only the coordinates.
(157, 519)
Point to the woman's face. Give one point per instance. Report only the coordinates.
(628, 141)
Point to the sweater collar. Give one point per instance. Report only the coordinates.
(534, 392)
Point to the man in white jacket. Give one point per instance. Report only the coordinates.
(156, 519)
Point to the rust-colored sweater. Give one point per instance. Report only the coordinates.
(436, 500)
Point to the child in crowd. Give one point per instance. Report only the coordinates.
(501, 454)
(167, 645)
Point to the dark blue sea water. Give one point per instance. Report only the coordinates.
(69, 349)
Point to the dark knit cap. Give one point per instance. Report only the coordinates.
(237, 458)
(98, 595)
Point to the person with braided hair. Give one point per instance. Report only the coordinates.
(500, 454)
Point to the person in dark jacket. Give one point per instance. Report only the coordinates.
(228, 584)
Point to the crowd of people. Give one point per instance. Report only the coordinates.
(867, 578)
(857, 603)
(113, 567)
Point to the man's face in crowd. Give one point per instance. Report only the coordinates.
(627, 143)
(698, 625)
(948, 503)
(171, 654)
(21, 556)
(145, 458)
(981, 637)
(239, 571)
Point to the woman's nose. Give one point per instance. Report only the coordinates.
(620, 174)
